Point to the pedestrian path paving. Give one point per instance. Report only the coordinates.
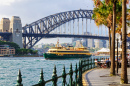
(100, 77)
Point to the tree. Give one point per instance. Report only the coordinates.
(124, 79)
(11, 44)
(108, 18)
(120, 25)
(112, 70)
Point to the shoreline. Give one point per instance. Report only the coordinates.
(27, 56)
(23, 56)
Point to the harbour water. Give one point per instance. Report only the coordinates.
(30, 68)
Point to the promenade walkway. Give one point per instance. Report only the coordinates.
(100, 77)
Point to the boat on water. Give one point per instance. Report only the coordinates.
(70, 52)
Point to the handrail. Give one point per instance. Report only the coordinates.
(84, 65)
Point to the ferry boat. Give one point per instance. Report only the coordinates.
(70, 52)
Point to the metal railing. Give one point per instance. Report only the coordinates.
(83, 65)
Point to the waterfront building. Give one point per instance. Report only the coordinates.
(104, 43)
(98, 44)
(15, 27)
(75, 39)
(107, 44)
(4, 25)
(6, 50)
(85, 42)
(78, 43)
(88, 42)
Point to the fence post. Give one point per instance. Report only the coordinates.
(88, 64)
(63, 76)
(94, 62)
(80, 74)
(84, 66)
(71, 74)
(91, 63)
(54, 76)
(41, 81)
(19, 79)
(76, 74)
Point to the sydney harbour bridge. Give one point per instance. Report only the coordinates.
(70, 24)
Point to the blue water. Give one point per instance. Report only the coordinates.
(30, 69)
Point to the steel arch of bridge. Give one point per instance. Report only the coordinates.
(49, 23)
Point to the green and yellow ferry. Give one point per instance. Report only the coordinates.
(69, 52)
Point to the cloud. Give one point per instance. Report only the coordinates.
(5, 16)
(7, 2)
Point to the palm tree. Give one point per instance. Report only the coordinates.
(121, 21)
(112, 24)
(124, 79)
(112, 70)
(103, 15)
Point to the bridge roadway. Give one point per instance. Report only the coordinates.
(66, 35)
(7, 34)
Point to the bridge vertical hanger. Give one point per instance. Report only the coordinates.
(64, 28)
(65, 23)
(98, 30)
(82, 26)
(73, 26)
(105, 31)
(56, 30)
(52, 22)
(35, 28)
(86, 26)
(101, 30)
(94, 32)
(68, 22)
(78, 23)
(70, 27)
(61, 29)
(48, 26)
(41, 26)
(90, 28)
(46, 31)
(78, 26)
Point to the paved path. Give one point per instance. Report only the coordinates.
(100, 77)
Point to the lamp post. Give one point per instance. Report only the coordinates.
(117, 36)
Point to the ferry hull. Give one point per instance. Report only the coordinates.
(54, 56)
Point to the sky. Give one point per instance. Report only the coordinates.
(32, 10)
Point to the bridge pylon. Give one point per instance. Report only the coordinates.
(16, 28)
